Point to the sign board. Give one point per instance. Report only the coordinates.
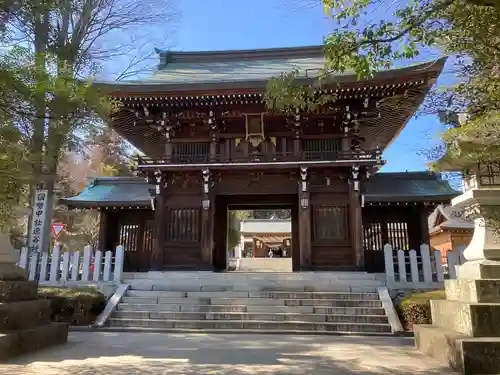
(39, 208)
(56, 229)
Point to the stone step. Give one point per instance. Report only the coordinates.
(252, 309)
(253, 301)
(254, 294)
(279, 317)
(319, 286)
(221, 331)
(210, 276)
(252, 325)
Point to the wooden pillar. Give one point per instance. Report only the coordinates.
(103, 230)
(298, 131)
(159, 222)
(206, 221)
(304, 222)
(355, 225)
(424, 224)
(212, 123)
(168, 145)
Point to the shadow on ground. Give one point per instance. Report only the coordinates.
(161, 353)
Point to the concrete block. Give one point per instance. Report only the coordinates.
(187, 301)
(11, 291)
(29, 340)
(280, 309)
(218, 294)
(349, 310)
(147, 307)
(155, 293)
(140, 300)
(464, 354)
(474, 291)
(24, 314)
(247, 301)
(485, 269)
(477, 320)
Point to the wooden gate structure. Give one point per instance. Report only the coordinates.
(209, 142)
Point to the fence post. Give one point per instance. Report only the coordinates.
(65, 266)
(460, 251)
(402, 267)
(23, 260)
(426, 262)
(97, 265)
(119, 255)
(107, 266)
(33, 266)
(55, 264)
(75, 266)
(415, 279)
(439, 266)
(43, 266)
(452, 259)
(87, 253)
(389, 264)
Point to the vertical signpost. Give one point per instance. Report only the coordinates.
(36, 237)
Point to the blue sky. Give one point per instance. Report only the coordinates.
(238, 24)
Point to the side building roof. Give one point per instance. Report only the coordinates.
(382, 187)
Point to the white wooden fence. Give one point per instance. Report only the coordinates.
(73, 267)
(406, 270)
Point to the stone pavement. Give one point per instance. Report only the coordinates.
(95, 353)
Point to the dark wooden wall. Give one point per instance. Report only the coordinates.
(133, 229)
(402, 226)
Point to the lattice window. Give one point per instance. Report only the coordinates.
(148, 239)
(373, 237)
(329, 223)
(321, 145)
(185, 152)
(183, 224)
(397, 233)
(129, 236)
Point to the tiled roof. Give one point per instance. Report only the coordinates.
(452, 219)
(407, 186)
(259, 65)
(382, 187)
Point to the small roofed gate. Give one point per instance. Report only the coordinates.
(134, 230)
(395, 225)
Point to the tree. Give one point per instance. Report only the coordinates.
(464, 29)
(67, 42)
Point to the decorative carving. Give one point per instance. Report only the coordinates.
(206, 180)
(355, 177)
(303, 178)
(212, 123)
(297, 123)
(254, 127)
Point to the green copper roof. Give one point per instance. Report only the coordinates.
(202, 69)
(407, 186)
(382, 187)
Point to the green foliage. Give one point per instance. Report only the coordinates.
(76, 306)
(416, 309)
(13, 164)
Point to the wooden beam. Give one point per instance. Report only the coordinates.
(355, 226)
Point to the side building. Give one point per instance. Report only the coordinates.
(210, 145)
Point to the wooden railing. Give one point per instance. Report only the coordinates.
(407, 270)
(262, 157)
(73, 267)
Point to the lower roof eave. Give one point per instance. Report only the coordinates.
(73, 204)
(250, 165)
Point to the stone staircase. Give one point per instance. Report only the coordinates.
(239, 302)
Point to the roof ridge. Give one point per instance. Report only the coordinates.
(169, 57)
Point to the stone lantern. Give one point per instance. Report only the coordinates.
(466, 326)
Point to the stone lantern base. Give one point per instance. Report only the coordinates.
(24, 320)
(465, 333)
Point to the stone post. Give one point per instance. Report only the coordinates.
(8, 259)
(25, 320)
(465, 333)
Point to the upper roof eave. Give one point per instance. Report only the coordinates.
(142, 87)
